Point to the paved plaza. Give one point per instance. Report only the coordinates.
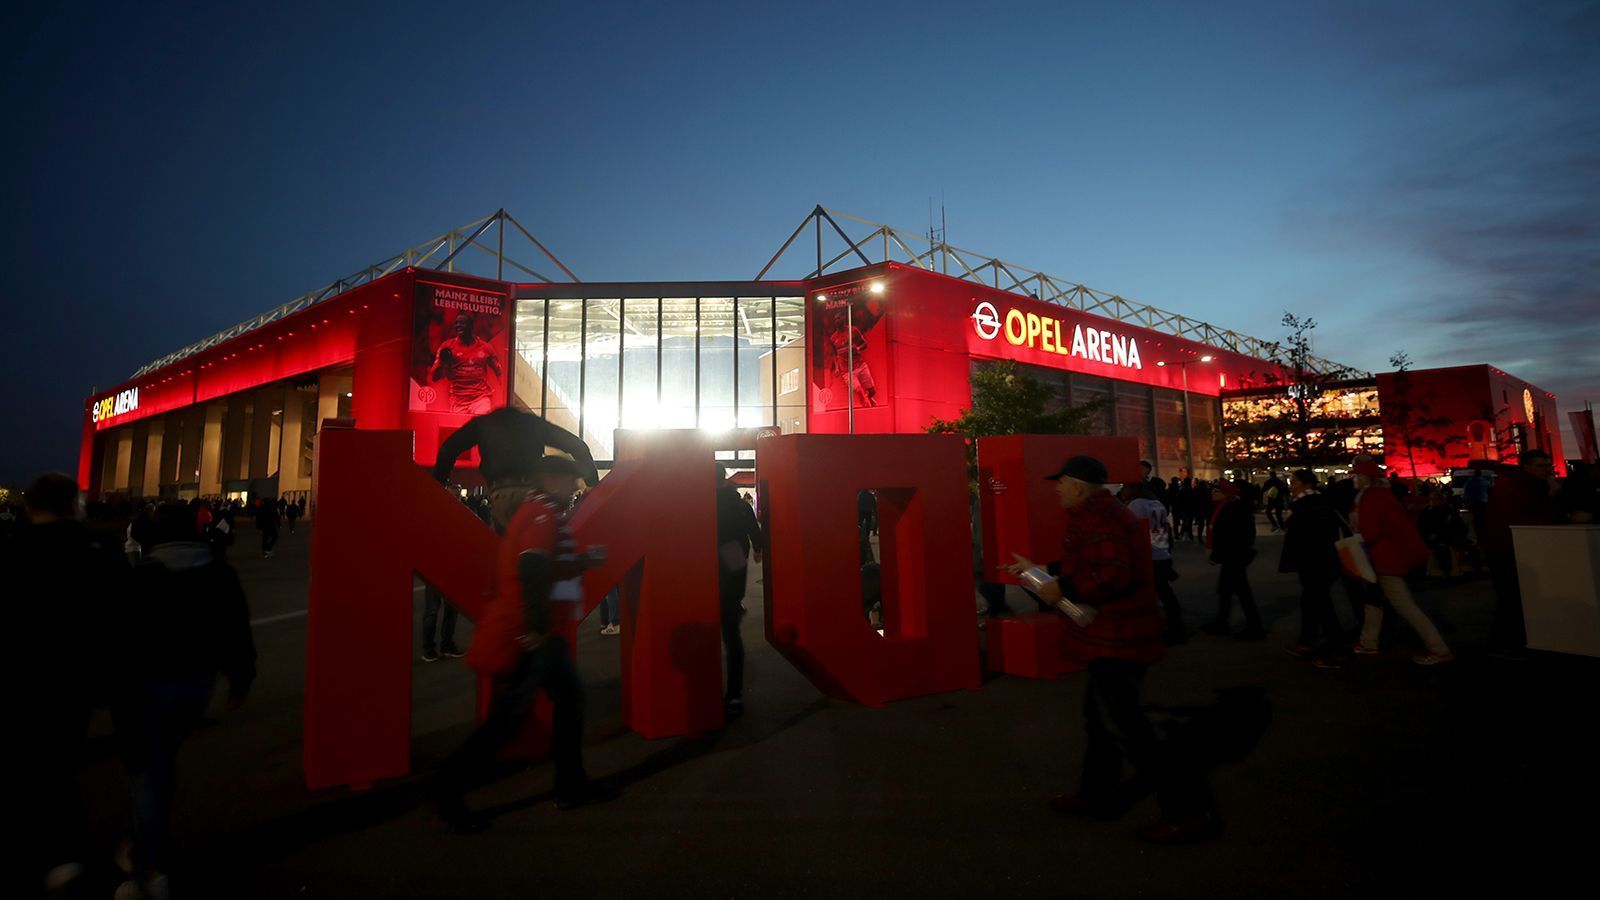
(1385, 779)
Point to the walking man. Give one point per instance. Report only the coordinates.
(1105, 565)
(1232, 541)
(1308, 551)
(516, 645)
(738, 533)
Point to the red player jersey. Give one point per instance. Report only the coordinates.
(469, 377)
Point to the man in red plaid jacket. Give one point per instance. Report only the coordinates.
(1105, 565)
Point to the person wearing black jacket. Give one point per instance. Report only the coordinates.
(1232, 542)
(510, 444)
(1308, 551)
(738, 533)
(184, 622)
(62, 581)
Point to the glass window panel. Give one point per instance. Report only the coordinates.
(790, 356)
(716, 363)
(1205, 415)
(1171, 453)
(601, 376)
(527, 376)
(1088, 388)
(677, 363)
(563, 362)
(753, 335)
(640, 353)
(1133, 417)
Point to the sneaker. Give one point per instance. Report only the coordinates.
(592, 792)
(1361, 649)
(1299, 650)
(1331, 662)
(430, 655)
(1434, 659)
(732, 709)
(454, 815)
(452, 652)
(613, 628)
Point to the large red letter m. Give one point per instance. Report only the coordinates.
(381, 520)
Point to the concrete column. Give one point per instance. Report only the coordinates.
(171, 443)
(235, 439)
(211, 451)
(296, 429)
(155, 437)
(108, 462)
(263, 462)
(191, 451)
(138, 450)
(123, 459)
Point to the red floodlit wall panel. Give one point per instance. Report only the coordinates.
(812, 577)
(1021, 510)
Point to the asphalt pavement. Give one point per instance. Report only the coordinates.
(1385, 779)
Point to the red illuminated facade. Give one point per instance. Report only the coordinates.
(881, 349)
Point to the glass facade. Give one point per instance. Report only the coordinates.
(1153, 415)
(594, 364)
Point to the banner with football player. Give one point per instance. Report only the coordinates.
(459, 350)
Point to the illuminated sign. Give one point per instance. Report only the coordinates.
(1044, 333)
(111, 407)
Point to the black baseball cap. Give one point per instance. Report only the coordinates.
(1083, 468)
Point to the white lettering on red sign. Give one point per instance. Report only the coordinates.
(1044, 333)
(110, 407)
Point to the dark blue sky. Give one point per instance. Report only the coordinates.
(1423, 177)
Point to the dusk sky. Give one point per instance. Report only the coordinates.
(1418, 177)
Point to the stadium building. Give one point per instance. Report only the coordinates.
(879, 335)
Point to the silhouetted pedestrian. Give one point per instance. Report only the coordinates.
(1232, 543)
(1524, 495)
(1310, 533)
(62, 583)
(1105, 567)
(738, 534)
(186, 621)
(1395, 548)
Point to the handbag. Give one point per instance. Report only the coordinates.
(1353, 557)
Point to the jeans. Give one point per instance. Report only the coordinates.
(269, 539)
(1510, 630)
(1275, 517)
(730, 587)
(1318, 621)
(1169, 600)
(608, 608)
(1399, 596)
(1117, 729)
(151, 725)
(432, 600)
(1234, 579)
(547, 668)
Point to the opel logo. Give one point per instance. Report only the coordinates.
(986, 320)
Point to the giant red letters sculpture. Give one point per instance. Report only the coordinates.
(1022, 514)
(813, 582)
(381, 519)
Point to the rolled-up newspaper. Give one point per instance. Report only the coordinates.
(1035, 578)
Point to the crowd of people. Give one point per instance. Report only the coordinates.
(144, 633)
(180, 619)
(1112, 582)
